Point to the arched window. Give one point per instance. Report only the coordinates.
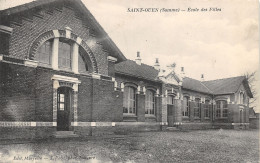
(197, 108)
(129, 101)
(65, 55)
(206, 109)
(222, 110)
(186, 108)
(83, 68)
(241, 98)
(170, 100)
(150, 102)
(44, 53)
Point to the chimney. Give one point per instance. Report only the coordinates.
(157, 65)
(138, 59)
(182, 72)
(202, 77)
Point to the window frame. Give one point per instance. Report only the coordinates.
(170, 98)
(207, 109)
(41, 53)
(186, 112)
(197, 108)
(62, 57)
(221, 109)
(128, 100)
(150, 102)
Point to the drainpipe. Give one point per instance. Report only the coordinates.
(92, 107)
(212, 114)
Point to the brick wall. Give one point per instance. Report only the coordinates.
(18, 93)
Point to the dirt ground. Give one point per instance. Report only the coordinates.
(178, 146)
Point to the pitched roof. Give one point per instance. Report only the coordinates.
(106, 40)
(224, 86)
(195, 85)
(131, 68)
(217, 87)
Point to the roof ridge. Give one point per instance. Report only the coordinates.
(141, 64)
(225, 78)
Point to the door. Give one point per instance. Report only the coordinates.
(63, 107)
(170, 120)
(241, 115)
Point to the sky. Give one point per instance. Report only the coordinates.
(217, 44)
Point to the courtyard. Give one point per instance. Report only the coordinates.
(176, 146)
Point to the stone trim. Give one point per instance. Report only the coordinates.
(58, 81)
(96, 76)
(5, 29)
(164, 123)
(111, 59)
(68, 32)
(236, 124)
(112, 124)
(30, 63)
(57, 34)
(66, 78)
(26, 124)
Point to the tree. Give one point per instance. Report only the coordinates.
(252, 81)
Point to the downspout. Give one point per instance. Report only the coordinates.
(213, 110)
(92, 107)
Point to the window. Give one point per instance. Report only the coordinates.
(206, 109)
(129, 101)
(186, 108)
(83, 68)
(197, 108)
(65, 55)
(170, 100)
(149, 102)
(61, 101)
(44, 53)
(222, 110)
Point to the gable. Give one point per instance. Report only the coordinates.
(31, 20)
(171, 78)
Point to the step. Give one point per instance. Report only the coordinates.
(65, 134)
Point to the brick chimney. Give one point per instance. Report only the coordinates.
(202, 77)
(138, 59)
(182, 72)
(156, 64)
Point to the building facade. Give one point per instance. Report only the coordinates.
(60, 71)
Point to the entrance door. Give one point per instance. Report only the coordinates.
(64, 105)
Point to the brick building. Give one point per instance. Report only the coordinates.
(60, 71)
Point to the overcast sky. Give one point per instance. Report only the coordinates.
(217, 44)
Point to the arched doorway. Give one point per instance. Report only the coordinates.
(64, 104)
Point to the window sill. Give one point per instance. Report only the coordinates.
(129, 115)
(149, 116)
(197, 118)
(222, 118)
(206, 118)
(45, 65)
